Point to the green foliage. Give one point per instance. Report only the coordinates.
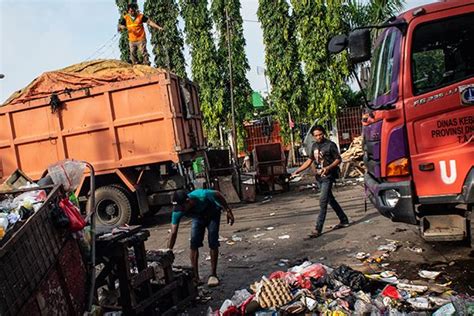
(204, 66)
(317, 22)
(281, 57)
(167, 44)
(241, 86)
(359, 13)
(123, 43)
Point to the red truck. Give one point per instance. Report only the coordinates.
(419, 127)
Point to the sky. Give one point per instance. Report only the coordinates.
(44, 35)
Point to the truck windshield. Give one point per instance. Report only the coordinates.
(442, 53)
(383, 82)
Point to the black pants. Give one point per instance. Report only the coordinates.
(326, 197)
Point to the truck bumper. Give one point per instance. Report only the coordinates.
(402, 210)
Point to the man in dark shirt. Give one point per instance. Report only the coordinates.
(204, 207)
(133, 23)
(325, 155)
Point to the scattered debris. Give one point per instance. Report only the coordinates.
(258, 235)
(236, 238)
(270, 228)
(272, 214)
(310, 288)
(284, 237)
(415, 249)
(432, 275)
(362, 255)
(390, 247)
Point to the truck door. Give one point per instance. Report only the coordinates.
(439, 101)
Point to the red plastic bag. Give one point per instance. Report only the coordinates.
(76, 222)
(392, 292)
(314, 271)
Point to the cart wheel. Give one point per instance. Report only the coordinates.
(113, 208)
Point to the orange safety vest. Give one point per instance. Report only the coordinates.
(136, 31)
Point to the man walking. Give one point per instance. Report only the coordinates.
(325, 155)
(133, 23)
(204, 207)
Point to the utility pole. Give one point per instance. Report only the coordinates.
(231, 83)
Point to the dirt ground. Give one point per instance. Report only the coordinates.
(277, 230)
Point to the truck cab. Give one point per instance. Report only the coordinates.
(419, 127)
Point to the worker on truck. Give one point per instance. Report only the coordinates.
(133, 23)
(204, 207)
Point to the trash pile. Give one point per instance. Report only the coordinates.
(352, 165)
(17, 209)
(20, 198)
(321, 290)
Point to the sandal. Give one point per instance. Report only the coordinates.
(212, 281)
(314, 234)
(341, 225)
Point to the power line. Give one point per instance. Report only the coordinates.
(104, 45)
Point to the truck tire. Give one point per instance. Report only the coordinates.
(113, 207)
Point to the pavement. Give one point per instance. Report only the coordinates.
(272, 236)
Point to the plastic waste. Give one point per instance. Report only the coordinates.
(210, 312)
(392, 292)
(412, 287)
(429, 274)
(225, 305)
(445, 310)
(419, 302)
(362, 308)
(67, 173)
(239, 297)
(354, 279)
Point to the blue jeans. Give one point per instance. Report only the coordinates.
(198, 228)
(326, 197)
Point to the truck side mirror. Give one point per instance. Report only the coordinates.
(337, 44)
(359, 46)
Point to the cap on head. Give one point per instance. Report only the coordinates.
(179, 197)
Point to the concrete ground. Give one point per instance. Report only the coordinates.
(277, 230)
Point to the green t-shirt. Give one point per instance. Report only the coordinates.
(206, 204)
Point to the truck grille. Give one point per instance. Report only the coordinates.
(371, 145)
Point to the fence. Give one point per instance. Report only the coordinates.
(268, 131)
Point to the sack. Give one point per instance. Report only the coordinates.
(76, 222)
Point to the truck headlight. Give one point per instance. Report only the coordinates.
(391, 197)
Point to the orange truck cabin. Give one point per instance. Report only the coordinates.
(419, 131)
(141, 135)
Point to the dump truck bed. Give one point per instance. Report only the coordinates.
(122, 124)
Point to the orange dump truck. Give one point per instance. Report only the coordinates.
(140, 127)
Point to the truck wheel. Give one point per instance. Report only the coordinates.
(113, 208)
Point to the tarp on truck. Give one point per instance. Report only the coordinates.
(80, 76)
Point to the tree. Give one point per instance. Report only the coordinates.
(167, 44)
(241, 86)
(288, 93)
(317, 22)
(123, 43)
(373, 12)
(204, 66)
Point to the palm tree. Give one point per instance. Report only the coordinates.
(373, 12)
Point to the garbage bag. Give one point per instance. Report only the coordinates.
(67, 173)
(347, 276)
(76, 222)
